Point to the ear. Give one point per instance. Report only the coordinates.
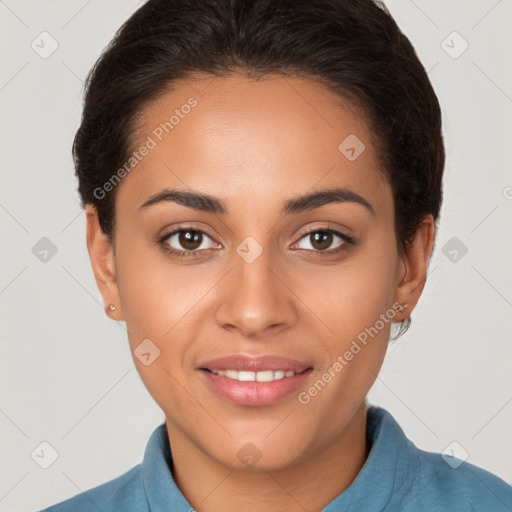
(412, 269)
(101, 254)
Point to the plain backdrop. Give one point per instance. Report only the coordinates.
(66, 374)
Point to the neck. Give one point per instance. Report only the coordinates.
(307, 485)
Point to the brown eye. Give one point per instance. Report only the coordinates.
(189, 239)
(186, 240)
(322, 239)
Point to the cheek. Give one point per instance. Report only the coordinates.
(162, 302)
(156, 294)
(351, 305)
(352, 296)
(355, 344)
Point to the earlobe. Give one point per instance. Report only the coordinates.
(101, 254)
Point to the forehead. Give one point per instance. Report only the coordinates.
(235, 137)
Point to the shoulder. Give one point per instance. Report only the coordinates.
(421, 480)
(126, 493)
(446, 483)
(149, 485)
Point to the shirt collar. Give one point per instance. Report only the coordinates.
(162, 492)
(384, 473)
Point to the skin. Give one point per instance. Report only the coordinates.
(254, 145)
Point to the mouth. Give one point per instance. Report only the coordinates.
(247, 376)
(254, 381)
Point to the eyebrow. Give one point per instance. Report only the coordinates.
(306, 202)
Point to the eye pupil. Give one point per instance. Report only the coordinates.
(322, 236)
(188, 239)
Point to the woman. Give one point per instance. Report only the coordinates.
(262, 181)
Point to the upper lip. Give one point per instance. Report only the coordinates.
(243, 362)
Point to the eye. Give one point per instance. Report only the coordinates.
(186, 241)
(321, 239)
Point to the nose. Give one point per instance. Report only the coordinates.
(256, 298)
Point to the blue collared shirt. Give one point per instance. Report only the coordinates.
(396, 477)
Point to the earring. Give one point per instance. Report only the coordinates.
(403, 306)
(112, 307)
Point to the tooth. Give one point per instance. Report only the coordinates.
(265, 376)
(246, 376)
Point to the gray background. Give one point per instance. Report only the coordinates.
(66, 373)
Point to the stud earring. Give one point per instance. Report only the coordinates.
(403, 306)
(112, 307)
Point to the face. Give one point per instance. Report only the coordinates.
(256, 298)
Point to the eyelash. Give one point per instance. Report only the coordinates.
(191, 254)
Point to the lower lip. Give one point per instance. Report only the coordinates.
(254, 393)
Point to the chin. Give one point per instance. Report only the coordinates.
(260, 454)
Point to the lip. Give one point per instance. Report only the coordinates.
(254, 393)
(243, 362)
